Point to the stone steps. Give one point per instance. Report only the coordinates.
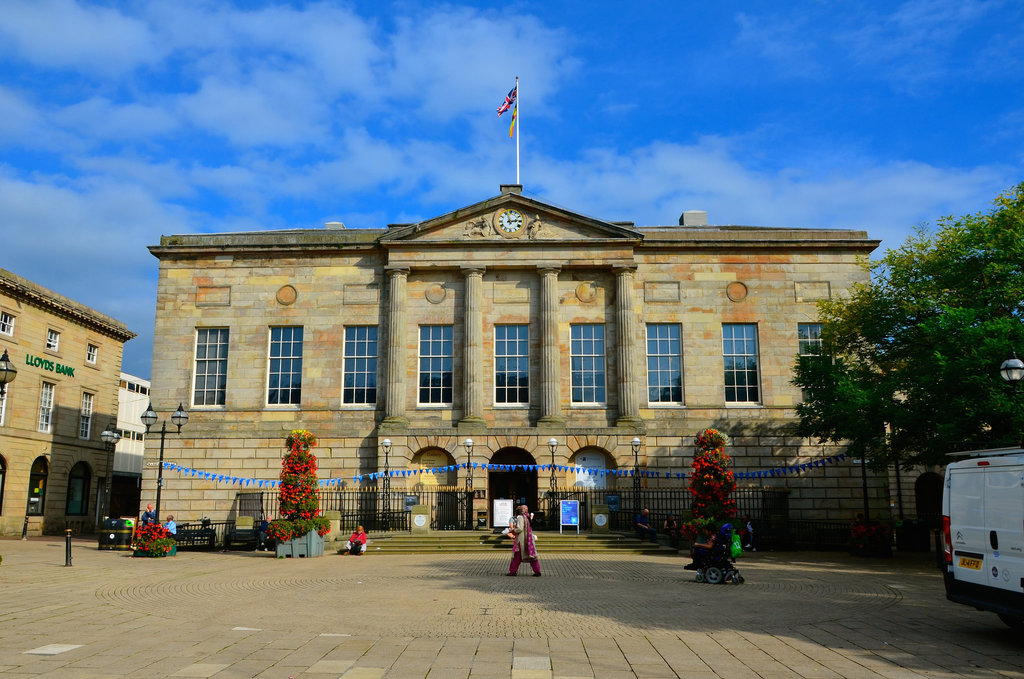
(480, 541)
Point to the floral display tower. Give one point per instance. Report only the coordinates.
(300, 530)
(712, 483)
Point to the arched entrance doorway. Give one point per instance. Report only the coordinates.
(517, 483)
(928, 496)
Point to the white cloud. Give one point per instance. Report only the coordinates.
(87, 38)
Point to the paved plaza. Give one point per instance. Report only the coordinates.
(247, 614)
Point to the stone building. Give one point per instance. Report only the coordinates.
(510, 322)
(53, 464)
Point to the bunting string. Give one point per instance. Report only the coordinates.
(789, 470)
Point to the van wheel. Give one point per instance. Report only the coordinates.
(1014, 621)
(713, 575)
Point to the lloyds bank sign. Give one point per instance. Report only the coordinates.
(47, 364)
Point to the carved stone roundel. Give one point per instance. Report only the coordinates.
(436, 294)
(287, 295)
(736, 291)
(586, 293)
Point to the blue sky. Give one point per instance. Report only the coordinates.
(120, 122)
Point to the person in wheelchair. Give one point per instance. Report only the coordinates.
(712, 559)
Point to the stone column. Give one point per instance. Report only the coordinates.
(394, 396)
(625, 315)
(473, 356)
(550, 410)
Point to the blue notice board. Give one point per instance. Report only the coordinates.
(569, 510)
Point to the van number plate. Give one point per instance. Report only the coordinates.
(973, 564)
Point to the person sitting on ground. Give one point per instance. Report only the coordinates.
(171, 527)
(356, 543)
(642, 523)
(671, 529)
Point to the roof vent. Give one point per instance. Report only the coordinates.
(693, 218)
(334, 226)
(510, 188)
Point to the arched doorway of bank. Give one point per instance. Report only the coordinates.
(518, 483)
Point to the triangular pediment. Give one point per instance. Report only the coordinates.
(511, 217)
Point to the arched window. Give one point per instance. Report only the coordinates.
(37, 487)
(592, 464)
(78, 490)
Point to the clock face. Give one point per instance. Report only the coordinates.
(510, 221)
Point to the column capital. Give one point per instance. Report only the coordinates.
(549, 268)
(397, 270)
(471, 270)
(624, 269)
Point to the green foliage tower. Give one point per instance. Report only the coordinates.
(712, 483)
(297, 497)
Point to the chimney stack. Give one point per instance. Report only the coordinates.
(693, 218)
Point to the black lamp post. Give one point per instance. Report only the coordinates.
(179, 418)
(553, 446)
(7, 373)
(385, 484)
(468, 443)
(636, 474)
(110, 437)
(1012, 371)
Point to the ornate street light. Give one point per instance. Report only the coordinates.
(385, 484)
(1012, 369)
(7, 373)
(179, 418)
(468, 443)
(110, 437)
(553, 446)
(636, 442)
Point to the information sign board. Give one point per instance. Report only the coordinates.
(569, 511)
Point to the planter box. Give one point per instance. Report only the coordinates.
(309, 545)
(173, 552)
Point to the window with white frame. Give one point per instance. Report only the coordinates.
(512, 364)
(52, 340)
(85, 419)
(46, 408)
(359, 382)
(6, 324)
(211, 373)
(586, 342)
(436, 360)
(808, 337)
(664, 363)
(91, 353)
(739, 351)
(284, 377)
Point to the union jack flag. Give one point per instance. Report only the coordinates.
(509, 100)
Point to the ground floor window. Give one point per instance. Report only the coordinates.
(78, 490)
(37, 487)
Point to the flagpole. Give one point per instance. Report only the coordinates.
(519, 123)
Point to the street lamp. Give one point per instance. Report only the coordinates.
(1012, 369)
(469, 464)
(7, 373)
(110, 437)
(553, 446)
(385, 484)
(179, 418)
(636, 473)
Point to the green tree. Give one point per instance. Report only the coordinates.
(909, 367)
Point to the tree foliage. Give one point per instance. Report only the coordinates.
(909, 368)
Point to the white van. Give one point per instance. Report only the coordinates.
(983, 532)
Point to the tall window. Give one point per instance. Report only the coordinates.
(285, 375)
(3, 406)
(360, 379)
(664, 363)
(37, 486)
(809, 339)
(91, 352)
(739, 349)
(211, 367)
(52, 340)
(46, 408)
(78, 490)
(436, 364)
(512, 364)
(587, 361)
(85, 420)
(6, 324)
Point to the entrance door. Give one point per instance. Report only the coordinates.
(518, 484)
